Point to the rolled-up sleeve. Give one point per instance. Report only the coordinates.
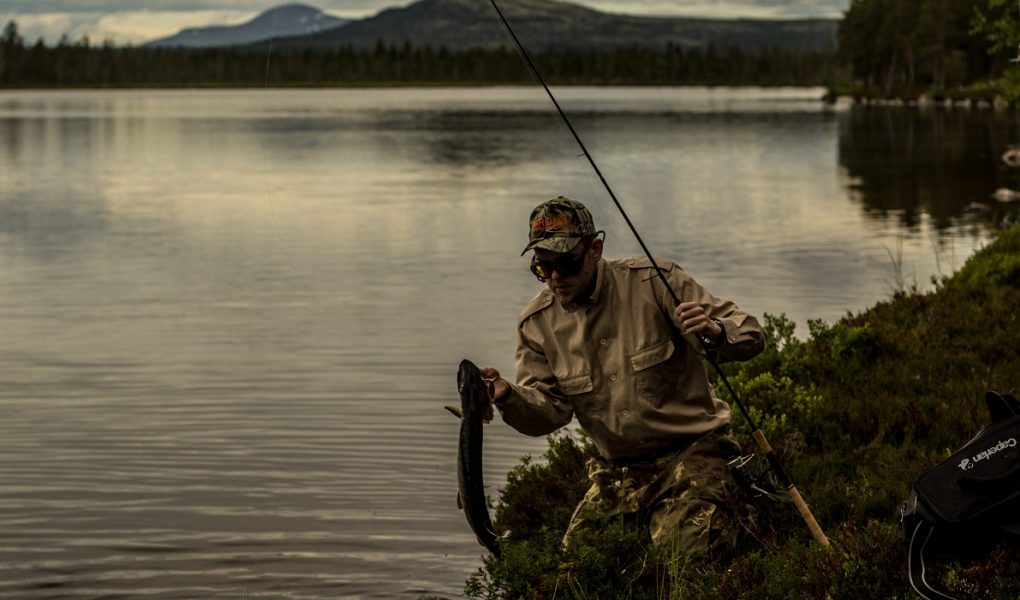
(535, 405)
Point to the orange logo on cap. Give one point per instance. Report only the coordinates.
(550, 224)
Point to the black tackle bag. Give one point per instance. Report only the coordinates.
(969, 502)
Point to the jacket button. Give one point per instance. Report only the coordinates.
(603, 341)
(612, 378)
(626, 412)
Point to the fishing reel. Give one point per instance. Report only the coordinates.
(753, 474)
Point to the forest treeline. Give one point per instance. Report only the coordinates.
(897, 46)
(80, 63)
(886, 47)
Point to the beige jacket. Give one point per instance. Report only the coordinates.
(620, 364)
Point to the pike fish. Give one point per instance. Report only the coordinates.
(475, 410)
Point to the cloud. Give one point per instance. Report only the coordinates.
(110, 6)
(126, 27)
(141, 26)
(49, 26)
(109, 19)
(340, 7)
(761, 9)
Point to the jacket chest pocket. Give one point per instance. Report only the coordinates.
(655, 375)
(577, 389)
(576, 385)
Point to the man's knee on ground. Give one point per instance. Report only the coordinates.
(695, 528)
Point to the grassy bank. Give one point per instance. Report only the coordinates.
(858, 411)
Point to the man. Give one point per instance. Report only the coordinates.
(605, 342)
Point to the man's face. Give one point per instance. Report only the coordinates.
(569, 289)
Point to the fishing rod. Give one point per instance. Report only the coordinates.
(759, 436)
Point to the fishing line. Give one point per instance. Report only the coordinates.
(584, 149)
(758, 435)
(537, 79)
(309, 290)
(605, 216)
(265, 170)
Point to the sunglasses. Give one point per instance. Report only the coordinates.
(566, 266)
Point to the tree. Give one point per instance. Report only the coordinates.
(10, 37)
(999, 23)
(904, 45)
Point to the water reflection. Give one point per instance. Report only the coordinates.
(907, 163)
(480, 139)
(72, 212)
(231, 319)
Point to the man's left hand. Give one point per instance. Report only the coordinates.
(694, 319)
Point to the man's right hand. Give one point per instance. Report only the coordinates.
(499, 389)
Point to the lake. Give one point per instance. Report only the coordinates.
(231, 319)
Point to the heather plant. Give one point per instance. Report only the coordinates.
(857, 411)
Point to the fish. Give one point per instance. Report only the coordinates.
(475, 410)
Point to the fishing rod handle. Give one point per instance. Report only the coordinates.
(798, 500)
(762, 442)
(805, 513)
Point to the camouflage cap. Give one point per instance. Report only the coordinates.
(558, 225)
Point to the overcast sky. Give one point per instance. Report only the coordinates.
(127, 21)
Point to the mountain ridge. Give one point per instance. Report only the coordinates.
(281, 21)
(459, 25)
(554, 24)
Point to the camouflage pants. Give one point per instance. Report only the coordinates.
(688, 499)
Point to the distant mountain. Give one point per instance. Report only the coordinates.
(546, 24)
(282, 21)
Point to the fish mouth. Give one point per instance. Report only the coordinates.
(465, 372)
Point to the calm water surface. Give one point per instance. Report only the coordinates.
(230, 319)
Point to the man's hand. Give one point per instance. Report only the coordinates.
(694, 319)
(498, 387)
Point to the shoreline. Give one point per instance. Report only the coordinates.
(967, 99)
(993, 94)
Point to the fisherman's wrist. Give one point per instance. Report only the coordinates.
(501, 399)
(720, 339)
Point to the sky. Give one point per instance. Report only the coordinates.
(125, 21)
